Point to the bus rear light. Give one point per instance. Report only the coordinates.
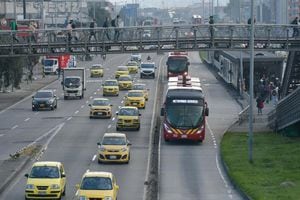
(167, 128)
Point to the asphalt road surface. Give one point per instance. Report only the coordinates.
(188, 171)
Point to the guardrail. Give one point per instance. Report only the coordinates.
(157, 38)
(287, 112)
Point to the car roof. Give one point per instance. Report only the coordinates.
(129, 107)
(123, 66)
(98, 174)
(125, 75)
(103, 99)
(97, 65)
(45, 91)
(153, 63)
(140, 91)
(111, 80)
(47, 163)
(140, 84)
(114, 135)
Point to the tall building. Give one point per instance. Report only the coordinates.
(293, 9)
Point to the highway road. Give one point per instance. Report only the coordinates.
(187, 171)
(72, 136)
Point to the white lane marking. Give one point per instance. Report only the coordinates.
(82, 106)
(94, 157)
(213, 136)
(87, 170)
(62, 94)
(119, 107)
(69, 118)
(87, 102)
(122, 101)
(14, 127)
(109, 126)
(76, 193)
(27, 119)
(113, 119)
(95, 93)
(98, 90)
(1, 135)
(36, 113)
(91, 97)
(77, 111)
(30, 96)
(54, 90)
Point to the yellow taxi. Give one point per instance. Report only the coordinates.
(125, 82)
(133, 66)
(128, 117)
(135, 98)
(97, 70)
(121, 70)
(114, 147)
(142, 87)
(46, 180)
(100, 108)
(97, 185)
(110, 87)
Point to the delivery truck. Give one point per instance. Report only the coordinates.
(73, 82)
(52, 64)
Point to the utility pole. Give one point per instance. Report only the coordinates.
(24, 9)
(15, 12)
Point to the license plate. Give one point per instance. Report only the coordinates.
(113, 157)
(134, 104)
(42, 192)
(99, 113)
(184, 136)
(42, 105)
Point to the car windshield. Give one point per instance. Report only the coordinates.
(131, 64)
(135, 94)
(43, 95)
(100, 102)
(122, 69)
(129, 112)
(184, 116)
(48, 62)
(96, 67)
(124, 78)
(96, 183)
(148, 66)
(177, 64)
(72, 81)
(114, 141)
(110, 83)
(44, 172)
(138, 87)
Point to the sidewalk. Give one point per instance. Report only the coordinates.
(10, 168)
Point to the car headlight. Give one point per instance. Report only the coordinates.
(107, 198)
(82, 198)
(124, 149)
(55, 186)
(34, 101)
(30, 186)
(120, 121)
(101, 149)
(50, 101)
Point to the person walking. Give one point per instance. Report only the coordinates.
(259, 105)
(32, 28)
(92, 30)
(211, 28)
(275, 96)
(116, 23)
(74, 33)
(106, 31)
(14, 28)
(69, 29)
(295, 22)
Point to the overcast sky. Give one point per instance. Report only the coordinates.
(168, 3)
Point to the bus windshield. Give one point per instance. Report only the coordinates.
(184, 116)
(177, 64)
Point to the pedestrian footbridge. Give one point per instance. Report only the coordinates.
(148, 39)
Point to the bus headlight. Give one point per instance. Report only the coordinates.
(200, 130)
(167, 128)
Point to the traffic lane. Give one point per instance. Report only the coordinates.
(190, 162)
(195, 171)
(23, 117)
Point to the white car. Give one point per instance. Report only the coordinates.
(136, 57)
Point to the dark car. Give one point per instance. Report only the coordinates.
(44, 99)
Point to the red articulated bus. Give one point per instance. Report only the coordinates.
(184, 110)
(177, 64)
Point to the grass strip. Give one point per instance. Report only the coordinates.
(275, 172)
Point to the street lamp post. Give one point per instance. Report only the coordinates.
(24, 9)
(250, 138)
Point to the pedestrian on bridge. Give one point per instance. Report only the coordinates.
(211, 28)
(92, 30)
(14, 28)
(106, 31)
(259, 105)
(295, 22)
(116, 23)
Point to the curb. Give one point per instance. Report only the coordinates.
(225, 168)
(15, 173)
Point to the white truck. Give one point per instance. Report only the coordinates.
(74, 82)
